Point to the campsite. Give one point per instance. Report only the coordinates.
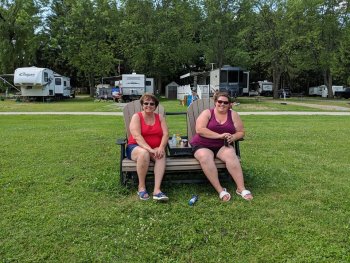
(62, 200)
(71, 75)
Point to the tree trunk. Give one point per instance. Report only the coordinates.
(276, 75)
(159, 86)
(328, 80)
(91, 85)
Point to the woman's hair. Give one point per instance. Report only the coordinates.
(221, 94)
(149, 96)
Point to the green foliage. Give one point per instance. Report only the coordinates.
(302, 43)
(18, 38)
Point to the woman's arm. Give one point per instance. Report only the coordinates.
(239, 134)
(165, 137)
(160, 151)
(201, 127)
(135, 130)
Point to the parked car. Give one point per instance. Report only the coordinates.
(343, 94)
(284, 93)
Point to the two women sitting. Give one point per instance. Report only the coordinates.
(216, 131)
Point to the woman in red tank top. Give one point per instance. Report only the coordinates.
(148, 139)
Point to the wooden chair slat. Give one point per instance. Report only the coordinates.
(193, 111)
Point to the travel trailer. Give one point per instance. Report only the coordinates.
(334, 89)
(41, 82)
(230, 79)
(315, 91)
(323, 90)
(134, 86)
(265, 88)
(35, 82)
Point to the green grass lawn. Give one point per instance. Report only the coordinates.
(81, 103)
(61, 200)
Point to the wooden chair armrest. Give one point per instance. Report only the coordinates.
(121, 141)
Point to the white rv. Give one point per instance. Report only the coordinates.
(62, 86)
(334, 89)
(230, 79)
(35, 82)
(134, 86)
(315, 91)
(265, 88)
(323, 90)
(150, 85)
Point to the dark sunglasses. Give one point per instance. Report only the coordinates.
(149, 103)
(223, 102)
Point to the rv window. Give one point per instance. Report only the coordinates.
(233, 76)
(46, 76)
(223, 76)
(57, 81)
(65, 83)
(148, 83)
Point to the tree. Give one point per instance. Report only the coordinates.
(86, 38)
(160, 38)
(271, 41)
(18, 38)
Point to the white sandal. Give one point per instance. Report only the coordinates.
(224, 193)
(244, 194)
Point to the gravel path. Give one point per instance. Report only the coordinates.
(315, 106)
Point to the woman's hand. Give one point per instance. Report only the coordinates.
(230, 138)
(225, 135)
(158, 153)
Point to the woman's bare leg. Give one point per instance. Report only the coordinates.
(159, 169)
(233, 165)
(142, 158)
(206, 160)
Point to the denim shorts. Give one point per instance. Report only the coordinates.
(129, 149)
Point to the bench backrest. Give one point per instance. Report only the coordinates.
(193, 112)
(131, 108)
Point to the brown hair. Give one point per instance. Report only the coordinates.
(221, 94)
(149, 96)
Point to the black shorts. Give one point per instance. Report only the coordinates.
(197, 147)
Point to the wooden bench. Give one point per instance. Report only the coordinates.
(185, 165)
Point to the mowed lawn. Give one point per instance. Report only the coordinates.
(61, 200)
(88, 104)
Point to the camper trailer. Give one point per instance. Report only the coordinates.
(35, 82)
(323, 90)
(265, 88)
(41, 83)
(315, 91)
(334, 89)
(134, 86)
(229, 79)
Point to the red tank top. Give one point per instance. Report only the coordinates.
(151, 133)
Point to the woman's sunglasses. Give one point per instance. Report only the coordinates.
(149, 103)
(223, 102)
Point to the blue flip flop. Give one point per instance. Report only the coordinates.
(143, 195)
(160, 197)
